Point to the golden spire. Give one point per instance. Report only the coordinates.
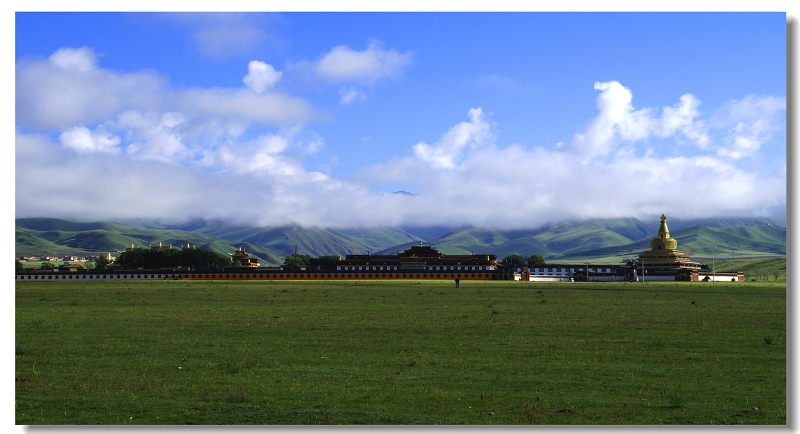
(663, 232)
(663, 241)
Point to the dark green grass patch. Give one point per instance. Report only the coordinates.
(399, 352)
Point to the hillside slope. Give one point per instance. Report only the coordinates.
(565, 241)
(700, 241)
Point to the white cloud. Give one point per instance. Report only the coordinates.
(517, 187)
(75, 59)
(681, 118)
(253, 182)
(83, 140)
(53, 98)
(750, 123)
(261, 76)
(315, 144)
(67, 90)
(240, 105)
(194, 153)
(345, 64)
(263, 154)
(155, 136)
(618, 122)
(751, 108)
(449, 148)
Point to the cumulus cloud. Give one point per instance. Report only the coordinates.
(355, 69)
(52, 97)
(252, 182)
(262, 155)
(261, 76)
(681, 118)
(194, 153)
(515, 186)
(445, 153)
(69, 89)
(618, 122)
(83, 140)
(750, 123)
(74, 59)
(345, 64)
(154, 136)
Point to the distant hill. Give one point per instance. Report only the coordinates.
(700, 241)
(49, 224)
(716, 222)
(572, 240)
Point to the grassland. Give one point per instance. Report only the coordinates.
(392, 352)
(768, 269)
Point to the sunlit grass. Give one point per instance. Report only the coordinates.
(399, 352)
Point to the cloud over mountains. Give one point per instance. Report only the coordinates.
(130, 144)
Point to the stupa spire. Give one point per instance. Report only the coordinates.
(663, 241)
(663, 231)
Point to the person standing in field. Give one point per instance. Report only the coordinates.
(458, 283)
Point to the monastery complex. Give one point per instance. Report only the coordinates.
(663, 262)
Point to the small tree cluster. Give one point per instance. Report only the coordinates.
(148, 258)
(297, 262)
(536, 260)
(101, 263)
(512, 261)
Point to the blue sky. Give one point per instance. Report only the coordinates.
(489, 119)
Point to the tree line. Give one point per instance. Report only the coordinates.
(296, 262)
(512, 261)
(141, 257)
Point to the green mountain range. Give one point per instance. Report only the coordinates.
(567, 241)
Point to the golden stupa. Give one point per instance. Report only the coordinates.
(664, 251)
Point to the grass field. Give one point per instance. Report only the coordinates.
(400, 352)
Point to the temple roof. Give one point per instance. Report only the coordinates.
(420, 252)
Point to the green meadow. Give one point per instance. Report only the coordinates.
(400, 352)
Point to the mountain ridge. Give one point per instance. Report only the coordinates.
(569, 240)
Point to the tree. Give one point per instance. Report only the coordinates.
(536, 260)
(324, 263)
(513, 260)
(296, 262)
(101, 263)
(47, 266)
(18, 265)
(150, 259)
